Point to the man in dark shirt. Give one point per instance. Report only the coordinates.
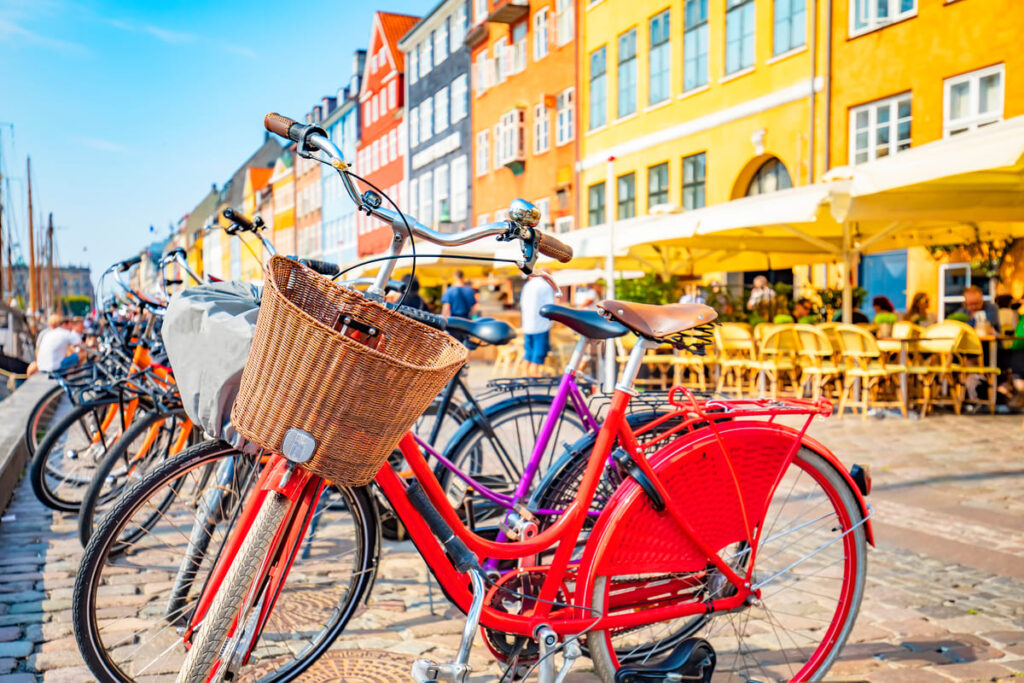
(974, 304)
(459, 299)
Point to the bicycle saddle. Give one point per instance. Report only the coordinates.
(658, 322)
(692, 660)
(589, 324)
(486, 330)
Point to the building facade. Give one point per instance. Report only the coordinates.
(309, 192)
(283, 182)
(524, 108)
(67, 281)
(438, 158)
(379, 156)
(338, 236)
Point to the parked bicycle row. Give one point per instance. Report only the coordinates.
(249, 450)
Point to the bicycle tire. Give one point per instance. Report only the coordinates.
(765, 665)
(462, 449)
(39, 416)
(208, 640)
(103, 651)
(75, 480)
(94, 495)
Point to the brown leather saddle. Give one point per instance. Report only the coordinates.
(685, 326)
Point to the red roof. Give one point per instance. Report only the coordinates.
(395, 26)
(259, 177)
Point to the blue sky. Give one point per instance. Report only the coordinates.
(130, 110)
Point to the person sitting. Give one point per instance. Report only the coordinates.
(60, 348)
(918, 312)
(881, 304)
(803, 312)
(856, 318)
(1008, 314)
(977, 310)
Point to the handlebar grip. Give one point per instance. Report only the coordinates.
(322, 267)
(553, 247)
(280, 125)
(128, 263)
(438, 322)
(238, 219)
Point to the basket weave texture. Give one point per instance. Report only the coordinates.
(356, 401)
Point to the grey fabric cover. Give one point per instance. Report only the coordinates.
(207, 331)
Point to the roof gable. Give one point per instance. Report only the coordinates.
(388, 29)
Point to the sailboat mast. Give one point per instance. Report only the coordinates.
(33, 294)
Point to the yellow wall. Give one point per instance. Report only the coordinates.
(720, 118)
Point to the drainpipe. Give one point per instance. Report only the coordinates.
(828, 85)
(814, 74)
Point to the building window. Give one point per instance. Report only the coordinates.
(544, 206)
(373, 108)
(626, 196)
(414, 126)
(426, 55)
(973, 100)
(500, 55)
(880, 128)
(564, 18)
(508, 142)
(657, 185)
(479, 11)
(427, 199)
(739, 35)
(541, 129)
(564, 117)
(393, 144)
(790, 25)
(540, 34)
(426, 120)
(659, 59)
(392, 94)
(694, 172)
(459, 92)
(458, 28)
(460, 189)
(564, 224)
(444, 214)
(867, 15)
(482, 219)
(518, 64)
(695, 44)
(441, 42)
(441, 110)
(483, 152)
(598, 89)
(481, 72)
(595, 204)
(771, 177)
(375, 155)
(414, 65)
(626, 102)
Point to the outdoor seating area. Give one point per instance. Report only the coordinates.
(915, 369)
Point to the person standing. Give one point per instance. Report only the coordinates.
(459, 300)
(537, 292)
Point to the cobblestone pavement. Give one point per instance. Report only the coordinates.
(944, 598)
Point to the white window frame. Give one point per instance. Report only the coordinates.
(483, 152)
(414, 199)
(544, 206)
(517, 61)
(426, 120)
(426, 55)
(564, 117)
(393, 144)
(565, 18)
(427, 199)
(458, 31)
(393, 94)
(480, 75)
(441, 110)
(459, 189)
(442, 190)
(872, 109)
(872, 21)
(441, 43)
(564, 224)
(479, 11)
(414, 64)
(459, 88)
(541, 36)
(414, 127)
(974, 119)
(499, 69)
(482, 219)
(541, 128)
(511, 145)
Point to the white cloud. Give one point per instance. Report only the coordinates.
(165, 35)
(238, 50)
(11, 32)
(103, 145)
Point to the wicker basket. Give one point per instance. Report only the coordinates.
(356, 401)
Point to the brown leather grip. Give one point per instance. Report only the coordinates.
(277, 124)
(556, 249)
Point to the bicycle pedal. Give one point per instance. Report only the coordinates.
(427, 671)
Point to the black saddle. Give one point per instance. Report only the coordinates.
(589, 324)
(692, 660)
(483, 330)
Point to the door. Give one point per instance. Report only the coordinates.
(884, 274)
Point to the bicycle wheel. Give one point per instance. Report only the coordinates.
(811, 563)
(63, 465)
(50, 407)
(227, 606)
(495, 448)
(145, 444)
(149, 558)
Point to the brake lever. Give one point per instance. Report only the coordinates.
(548, 279)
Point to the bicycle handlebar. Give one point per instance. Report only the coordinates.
(553, 247)
(323, 267)
(239, 220)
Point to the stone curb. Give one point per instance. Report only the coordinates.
(14, 413)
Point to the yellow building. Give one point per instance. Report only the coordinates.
(702, 101)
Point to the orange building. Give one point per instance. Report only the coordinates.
(283, 182)
(523, 108)
(379, 156)
(308, 197)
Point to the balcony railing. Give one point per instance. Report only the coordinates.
(509, 11)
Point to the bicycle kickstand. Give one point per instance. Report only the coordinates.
(426, 671)
(548, 641)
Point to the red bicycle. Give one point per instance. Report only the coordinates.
(734, 546)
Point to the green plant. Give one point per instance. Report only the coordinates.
(961, 317)
(886, 319)
(432, 295)
(782, 319)
(76, 304)
(650, 289)
(832, 299)
(810, 319)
